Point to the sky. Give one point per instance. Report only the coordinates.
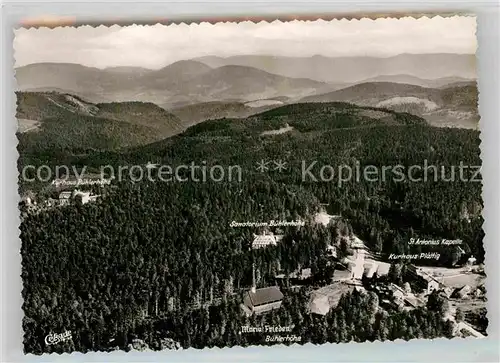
(157, 46)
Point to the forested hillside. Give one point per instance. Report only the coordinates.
(158, 251)
(142, 113)
(454, 105)
(68, 125)
(192, 114)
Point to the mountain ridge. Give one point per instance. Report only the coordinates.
(355, 68)
(176, 81)
(448, 106)
(181, 82)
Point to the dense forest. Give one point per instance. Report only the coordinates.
(159, 259)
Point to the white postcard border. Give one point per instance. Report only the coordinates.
(417, 350)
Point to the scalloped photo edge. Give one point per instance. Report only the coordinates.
(249, 182)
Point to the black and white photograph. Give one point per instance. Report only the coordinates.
(251, 183)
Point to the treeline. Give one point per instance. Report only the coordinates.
(386, 211)
(149, 249)
(358, 317)
(72, 127)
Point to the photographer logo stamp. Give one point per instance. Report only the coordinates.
(53, 339)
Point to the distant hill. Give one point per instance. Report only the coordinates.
(65, 130)
(295, 132)
(184, 68)
(67, 124)
(371, 93)
(304, 118)
(356, 69)
(314, 116)
(66, 76)
(227, 84)
(88, 97)
(428, 83)
(245, 84)
(461, 96)
(461, 83)
(142, 113)
(173, 75)
(238, 90)
(128, 70)
(39, 106)
(183, 82)
(69, 76)
(193, 114)
(449, 106)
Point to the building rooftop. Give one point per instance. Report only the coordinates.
(65, 195)
(395, 287)
(341, 275)
(264, 238)
(263, 296)
(461, 291)
(413, 301)
(332, 292)
(426, 276)
(304, 274)
(320, 305)
(370, 269)
(356, 242)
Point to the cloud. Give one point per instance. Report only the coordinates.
(158, 45)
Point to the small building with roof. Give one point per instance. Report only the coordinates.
(426, 281)
(471, 261)
(397, 292)
(259, 301)
(404, 299)
(319, 305)
(299, 277)
(461, 292)
(357, 243)
(65, 197)
(328, 297)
